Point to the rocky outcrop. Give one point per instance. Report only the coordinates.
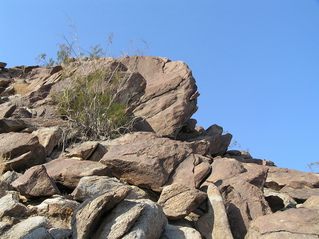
(168, 178)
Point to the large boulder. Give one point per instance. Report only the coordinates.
(36, 182)
(93, 186)
(292, 223)
(170, 94)
(20, 151)
(145, 160)
(244, 202)
(178, 200)
(284, 176)
(69, 171)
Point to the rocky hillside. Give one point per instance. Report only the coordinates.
(165, 178)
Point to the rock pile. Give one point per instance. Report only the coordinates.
(168, 179)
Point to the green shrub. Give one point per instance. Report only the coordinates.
(91, 101)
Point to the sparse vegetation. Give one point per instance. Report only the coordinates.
(90, 95)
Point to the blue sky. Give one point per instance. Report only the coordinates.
(256, 62)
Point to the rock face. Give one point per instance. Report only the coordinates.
(169, 99)
(168, 178)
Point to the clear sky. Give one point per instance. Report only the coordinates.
(256, 63)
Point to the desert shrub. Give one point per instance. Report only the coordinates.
(90, 99)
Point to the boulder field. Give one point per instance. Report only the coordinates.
(165, 179)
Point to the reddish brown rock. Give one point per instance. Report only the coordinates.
(244, 202)
(223, 168)
(84, 150)
(69, 171)
(292, 223)
(283, 176)
(12, 125)
(20, 151)
(218, 143)
(36, 182)
(49, 137)
(167, 103)
(147, 161)
(178, 200)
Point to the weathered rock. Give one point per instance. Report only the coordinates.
(84, 150)
(11, 207)
(312, 203)
(278, 201)
(49, 137)
(93, 186)
(284, 176)
(12, 125)
(8, 177)
(191, 172)
(300, 194)
(176, 232)
(224, 168)
(69, 171)
(244, 202)
(20, 151)
(98, 153)
(133, 219)
(178, 200)
(87, 216)
(58, 210)
(292, 223)
(214, 224)
(201, 171)
(26, 227)
(254, 174)
(147, 161)
(218, 142)
(6, 110)
(22, 112)
(36, 182)
(167, 103)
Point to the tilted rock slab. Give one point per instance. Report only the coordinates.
(20, 151)
(178, 200)
(133, 219)
(214, 224)
(87, 217)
